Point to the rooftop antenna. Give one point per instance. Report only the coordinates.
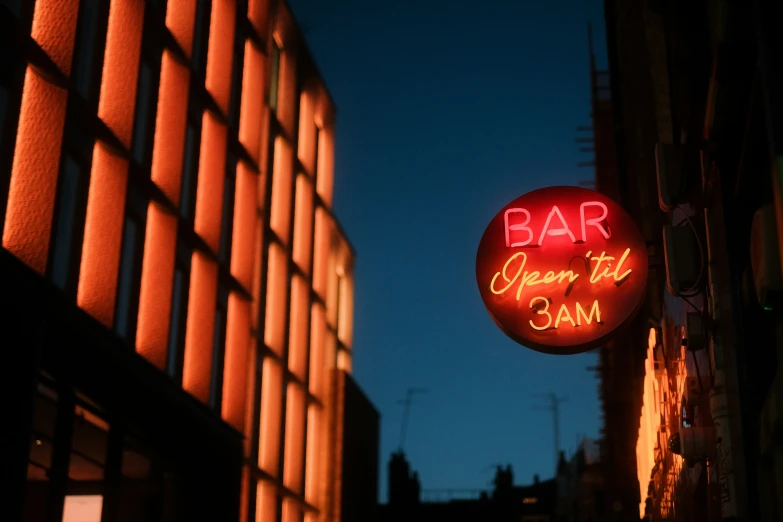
(554, 408)
(407, 402)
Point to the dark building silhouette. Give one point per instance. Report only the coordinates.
(361, 452)
(580, 486)
(506, 502)
(688, 117)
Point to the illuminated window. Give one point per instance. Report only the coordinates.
(274, 76)
(218, 349)
(88, 49)
(131, 257)
(227, 219)
(187, 200)
(200, 36)
(179, 312)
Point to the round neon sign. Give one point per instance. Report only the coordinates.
(560, 269)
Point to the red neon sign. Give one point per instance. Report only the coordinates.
(560, 269)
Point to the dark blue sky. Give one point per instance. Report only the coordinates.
(448, 110)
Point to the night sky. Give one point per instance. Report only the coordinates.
(448, 110)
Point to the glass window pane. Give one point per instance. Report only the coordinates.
(227, 220)
(141, 129)
(66, 216)
(40, 459)
(218, 350)
(188, 168)
(275, 76)
(199, 38)
(177, 313)
(124, 288)
(140, 490)
(84, 52)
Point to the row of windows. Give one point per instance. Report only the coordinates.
(293, 300)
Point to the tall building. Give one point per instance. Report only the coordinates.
(177, 295)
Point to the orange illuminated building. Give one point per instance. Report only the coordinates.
(175, 278)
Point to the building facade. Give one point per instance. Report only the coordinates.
(177, 293)
(687, 138)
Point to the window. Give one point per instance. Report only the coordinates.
(63, 244)
(187, 200)
(274, 76)
(236, 75)
(218, 349)
(131, 258)
(179, 312)
(227, 219)
(201, 36)
(39, 465)
(88, 49)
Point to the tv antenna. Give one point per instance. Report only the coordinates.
(407, 402)
(554, 408)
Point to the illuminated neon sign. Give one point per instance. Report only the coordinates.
(561, 269)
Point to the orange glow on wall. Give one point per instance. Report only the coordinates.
(345, 324)
(271, 412)
(326, 165)
(562, 269)
(197, 367)
(180, 17)
(303, 223)
(54, 28)
(344, 361)
(244, 500)
(317, 345)
(157, 276)
(236, 357)
(297, 344)
(33, 184)
(102, 235)
(282, 178)
(258, 270)
(221, 45)
(330, 355)
(242, 248)
(257, 14)
(121, 67)
(170, 122)
(294, 438)
(307, 131)
(322, 247)
(252, 104)
(266, 502)
(292, 512)
(277, 286)
(313, 455)
(339, 419)
(211, 175)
